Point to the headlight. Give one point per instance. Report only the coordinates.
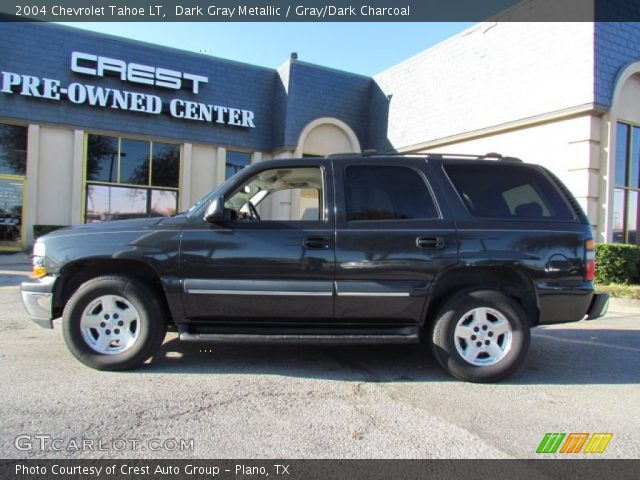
(39, 269)
(38, 249)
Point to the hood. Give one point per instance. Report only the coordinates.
(114, 225)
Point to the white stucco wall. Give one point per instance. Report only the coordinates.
(55, 176)
(326, 140)
(204, 171)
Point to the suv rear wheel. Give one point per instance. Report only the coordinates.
(480, 336)
(113, 323)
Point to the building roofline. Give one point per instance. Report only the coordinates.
(330, 69)
(559, 115)
(196, 55)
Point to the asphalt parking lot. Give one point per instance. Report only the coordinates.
(312, 402)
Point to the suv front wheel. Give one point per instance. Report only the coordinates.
(113, 323)
(480, 336)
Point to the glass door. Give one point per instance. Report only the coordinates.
(11, 212)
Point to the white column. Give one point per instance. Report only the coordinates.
(77, 182)
(288, 204)
(30, 194)
(284, 154)
(256, 157)
(221, 165)
(185, 187)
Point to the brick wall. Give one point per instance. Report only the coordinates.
(617, 45)
(315, 92)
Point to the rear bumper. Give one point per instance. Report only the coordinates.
(598, 307)
(37, 297)
(563, 304)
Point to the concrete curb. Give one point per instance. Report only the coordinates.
(15, 261)
(624, 305)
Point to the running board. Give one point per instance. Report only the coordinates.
(308, 339)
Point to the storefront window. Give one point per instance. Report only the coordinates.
(13, 167)
(236, 161)
(165, 163)
(11, 198)
(627, 184)
(13, 150)
(134, 161)
(102, 159)
(129, 178)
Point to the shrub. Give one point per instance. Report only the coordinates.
(617, 263)
(629, 292)
(40, 230)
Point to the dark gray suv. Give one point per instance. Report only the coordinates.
(467, 253)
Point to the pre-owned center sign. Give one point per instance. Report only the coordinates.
(97, 96)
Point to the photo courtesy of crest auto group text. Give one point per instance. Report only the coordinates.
(300, 240)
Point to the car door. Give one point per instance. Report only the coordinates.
(279, 268)
(392, 239)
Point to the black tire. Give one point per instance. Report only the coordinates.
(443, 338)
(151, 317)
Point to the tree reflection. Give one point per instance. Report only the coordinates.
(165, 169)
(166, 165)
(102, 157)
(13, 149)
(119, 201)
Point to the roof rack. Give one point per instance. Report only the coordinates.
(440, 156)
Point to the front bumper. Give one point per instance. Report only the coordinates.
(37, 298)
(598, 307)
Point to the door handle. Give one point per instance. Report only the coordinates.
(315, 242)
(430, 243)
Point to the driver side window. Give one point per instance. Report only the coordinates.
(280, 194)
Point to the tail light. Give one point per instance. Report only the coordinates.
(589, 260)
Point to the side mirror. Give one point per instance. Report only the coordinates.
(215, 211)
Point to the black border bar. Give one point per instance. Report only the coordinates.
(317, 469)
(319, 10)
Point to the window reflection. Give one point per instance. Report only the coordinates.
(115, 203)
(10, 212)
(618, 215)
(622, 152)
(13, 150)
(134, 162)
(632, 217)
(102, 158)
(122, 162)
(634, 161)
(164, 203)
(627, 182)
(236, 161)
(166, 165)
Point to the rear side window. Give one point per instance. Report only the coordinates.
(387, 193)
(507, 192)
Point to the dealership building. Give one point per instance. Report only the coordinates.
(95, 127)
